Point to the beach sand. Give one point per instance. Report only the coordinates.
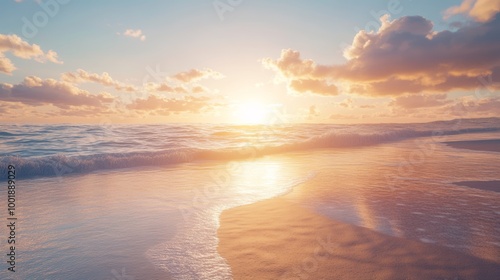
(278, 239)
(492, 145)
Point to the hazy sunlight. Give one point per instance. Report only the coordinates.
(251, 113)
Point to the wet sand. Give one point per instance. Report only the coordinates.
(493, 186)
(277, 239)
(492, 145)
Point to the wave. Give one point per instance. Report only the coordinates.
(343, 140)
(3, 133)
(226, 133)
(59, 165)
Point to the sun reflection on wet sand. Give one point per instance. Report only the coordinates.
(423, 204)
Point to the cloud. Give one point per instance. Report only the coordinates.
(166, 106)
(313, 112)
(291, 65)
(347, 103)
(167, 88)
(34, 91)
(314, 86)
(470, 107)
(367, 106)
(301, 75)
(135, 33)
(6, 65)
(75, 112)
(176, 88)
(479, 10)
(343, 117)
(81, 76)
(9, 110)
(438, 106)
(420, 101)
(184, 82)
(199, 89)
(194, 75)
(404, 56)
(22, 49)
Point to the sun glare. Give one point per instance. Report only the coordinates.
(251, 113)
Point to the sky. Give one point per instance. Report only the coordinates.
(248, 61)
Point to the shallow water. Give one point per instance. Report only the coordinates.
(154, 223)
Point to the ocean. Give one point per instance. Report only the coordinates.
(114, 201)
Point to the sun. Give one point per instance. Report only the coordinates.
(251, 113)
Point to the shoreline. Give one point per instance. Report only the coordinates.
(278, 239)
